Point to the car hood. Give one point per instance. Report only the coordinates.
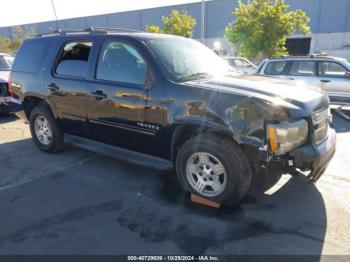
(268, 88)
(4, 76)
(278, 91)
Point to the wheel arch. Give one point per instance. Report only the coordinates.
(185, 131)
(31, 100)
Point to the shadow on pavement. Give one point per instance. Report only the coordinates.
(104, 206)
(340, 124)
(7, 118)
(291, 221)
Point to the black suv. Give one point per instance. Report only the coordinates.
(169, 102)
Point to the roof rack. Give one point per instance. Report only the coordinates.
(90, 30)
(114, 29)
(305, 56)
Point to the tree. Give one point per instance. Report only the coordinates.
(179, 23)
(19, 34)
(261, 27)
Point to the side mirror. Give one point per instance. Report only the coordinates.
(149, 81)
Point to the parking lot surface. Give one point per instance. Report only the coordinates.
(78, 202)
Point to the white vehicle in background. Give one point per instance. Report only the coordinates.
(6, 62)
(332, 74)
(241, 64)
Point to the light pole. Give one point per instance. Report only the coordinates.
(203, 21)
(54, 11)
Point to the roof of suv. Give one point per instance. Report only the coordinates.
(107, 31)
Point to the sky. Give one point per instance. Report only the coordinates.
(17, 12)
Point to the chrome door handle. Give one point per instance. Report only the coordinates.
(53, 87)
(99, 95)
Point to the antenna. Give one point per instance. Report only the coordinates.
(54, 11)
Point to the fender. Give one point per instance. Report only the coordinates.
(41, 97)
(189, 126)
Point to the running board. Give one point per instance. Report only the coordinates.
(119, 153)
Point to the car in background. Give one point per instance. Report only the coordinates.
(332, 74)
(6, 62)
(241, 64)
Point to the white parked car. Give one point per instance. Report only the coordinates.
(241, 64)
(332, 74)
(5, 69)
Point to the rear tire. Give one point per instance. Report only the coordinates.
(46, 134)
(214, 168)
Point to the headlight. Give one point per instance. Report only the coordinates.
(285, 136)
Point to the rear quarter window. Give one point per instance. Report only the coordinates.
(30, 56)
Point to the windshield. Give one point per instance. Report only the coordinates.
(237, 62)
(6, 62)
(187, 59)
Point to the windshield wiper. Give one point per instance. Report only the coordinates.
(193, 76)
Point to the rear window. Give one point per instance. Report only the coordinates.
(30, 56)
(74, 59)
(275, 68)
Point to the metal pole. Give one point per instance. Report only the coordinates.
(203, 22)
(54, 11)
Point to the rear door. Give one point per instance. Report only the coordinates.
(122, 111)
(68, 85)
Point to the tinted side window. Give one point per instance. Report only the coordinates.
(120, 62)
(275, 68)
(331, 69)
(73, 59)
(31, 56)
(303, 68)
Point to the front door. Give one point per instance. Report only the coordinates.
(303, 70)
(333, 78)
(120, 104)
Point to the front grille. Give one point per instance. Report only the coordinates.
(320, 122)
(3, 90)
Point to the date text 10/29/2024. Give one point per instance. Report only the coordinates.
(173, 258)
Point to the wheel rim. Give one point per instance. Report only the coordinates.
(43, 130)
(206, 174)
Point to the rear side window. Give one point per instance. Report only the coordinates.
(275, 68)
(31, 56)
(73, 59)
(331, 69)
(303, 68)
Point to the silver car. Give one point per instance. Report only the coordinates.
(5, 68)
(332, 74)
(241, 64)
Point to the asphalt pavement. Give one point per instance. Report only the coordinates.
(78, 202)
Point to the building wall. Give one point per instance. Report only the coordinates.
(330, 21)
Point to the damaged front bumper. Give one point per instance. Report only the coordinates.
(5, 100)
(308, 158)
(315, 157)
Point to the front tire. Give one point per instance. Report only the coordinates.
(46, 134)
(214, 168)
